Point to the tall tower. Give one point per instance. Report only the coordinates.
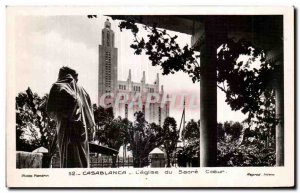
(108, 62)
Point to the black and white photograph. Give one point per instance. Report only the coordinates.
(195, 94)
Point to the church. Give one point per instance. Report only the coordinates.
(126, 96)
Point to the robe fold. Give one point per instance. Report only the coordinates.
(70, 105)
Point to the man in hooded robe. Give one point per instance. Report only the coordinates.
(70, 105)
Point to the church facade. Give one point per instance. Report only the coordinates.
(126, 96)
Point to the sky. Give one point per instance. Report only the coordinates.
(46, 43)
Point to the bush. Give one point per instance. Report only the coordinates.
(247, 154)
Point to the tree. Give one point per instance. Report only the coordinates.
(171, 135)
(114, 135)
(220, 131)
(250, 151)
(191, 135)
(234, 129)
(258, 132)
(102, 115)
(34, 128)
(110, 131)
(192, 130)
(251, 154)
(143, 138)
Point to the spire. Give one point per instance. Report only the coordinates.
(129, 76)
(107, 24)
(157, 79)
(144, 77)
(157, 82)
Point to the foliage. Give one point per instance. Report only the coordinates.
(163, 50)
(234, 129)
(103, 118)
(192, 130)
(190, 153)
(248, 154)
(220, 131)
(34, 128)
(171, 135)
(115, 132)
(111, 132)
(191, 137)
(245, 146)
(102, 115)
(143, 138)
(254, 92)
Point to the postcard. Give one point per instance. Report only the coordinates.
(150, 96)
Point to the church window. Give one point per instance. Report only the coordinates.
(108, 38)
(103, 37)
(126, 111)
(107, 69)
(159, 115)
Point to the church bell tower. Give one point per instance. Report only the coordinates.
(108, 66)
